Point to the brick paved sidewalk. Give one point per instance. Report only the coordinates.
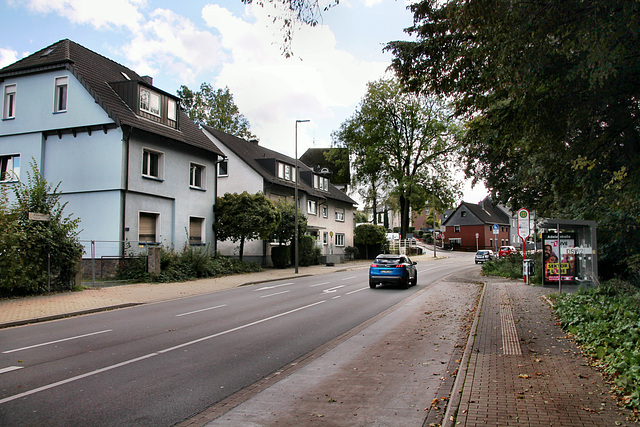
(523, 370)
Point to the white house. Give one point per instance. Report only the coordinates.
(132, 166)
(253, 168)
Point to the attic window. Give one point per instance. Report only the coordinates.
(46, 53)
(463, 214)
(149, 102)
(125, 75)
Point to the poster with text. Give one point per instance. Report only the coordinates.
(555, 265)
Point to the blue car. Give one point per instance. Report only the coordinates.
(397, 269)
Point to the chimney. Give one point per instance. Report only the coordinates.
(147, 79)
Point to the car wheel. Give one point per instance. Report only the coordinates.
(405, 284)
(415, 280)
(372, 285)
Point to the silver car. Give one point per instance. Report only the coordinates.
(484, 255)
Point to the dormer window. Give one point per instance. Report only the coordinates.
(149, 102)
(172, 109)
(286, 172)
(321, 183)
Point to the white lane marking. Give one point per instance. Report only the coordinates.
(9, 369)
(349, 278)
(147, 356)
(332, 290)
(320, 284)
(200, 311)
(272, 287)
(357, 290)
(336, 297)
(56, 341)
(277, 293)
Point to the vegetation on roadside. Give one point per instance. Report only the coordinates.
(605, 322)
(189, 264)
(511, 267)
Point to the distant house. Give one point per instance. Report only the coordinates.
(337, 171)
(253, 168)
(471, 226)
(131, 164)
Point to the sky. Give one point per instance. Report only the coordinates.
(229, 44)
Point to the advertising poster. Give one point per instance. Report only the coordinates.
(551, 256)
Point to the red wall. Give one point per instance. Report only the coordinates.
(486, 238)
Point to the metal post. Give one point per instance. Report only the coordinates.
(559, 260)
(434, 228)
(295, 197)
(93, 263)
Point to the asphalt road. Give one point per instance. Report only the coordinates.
(158, 364)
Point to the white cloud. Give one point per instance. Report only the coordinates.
(7, 56)
(100, 14)
(273, 91)
(171, 44)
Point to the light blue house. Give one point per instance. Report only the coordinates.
(132, 166)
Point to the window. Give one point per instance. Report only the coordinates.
(151, 164)
(286, 172)
(340, 215)
(325, 238)
(9, 109)
(312, 207)
(60, 95)
(172, 111)
(456, 228)
(325, 212)
(463, 213)
(339, 239)
(149, 102)
(196, 176)
(223, 168)
(320, 183)
(195, 231)
(9, 168)
(147, 228)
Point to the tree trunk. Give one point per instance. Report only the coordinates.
(241, 248)
(404, 217)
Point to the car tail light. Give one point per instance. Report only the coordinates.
(374, 265)
(399, 266)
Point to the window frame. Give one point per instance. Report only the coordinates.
(340, 214)
(9, 160)
(9, 101)
(172, 109)
(156, 234)
(325, 238)
(219, 168)
(146, 157)
(60, 84)
(456, 228)
(312, 207)
(325, 211)
(340, 239)
(202, 228)
(193, 168)
(153, 96)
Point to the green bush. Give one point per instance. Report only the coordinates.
(280, 256)
(511, 267)
(309, 252)
(605, 322)
(192, 263)
(351, 252)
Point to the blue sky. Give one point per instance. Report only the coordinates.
(227, 43)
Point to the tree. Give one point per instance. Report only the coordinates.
(285, 231)
(242, 217)
(404, 140)
(215, 108)
(25, 245)
(369, 234)
(550, 93)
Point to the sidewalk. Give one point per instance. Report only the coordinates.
(523, 370)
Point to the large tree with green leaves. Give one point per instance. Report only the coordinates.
(404, 140)
(242, 217)
(550, 90)
(285, 231)
(215, 108)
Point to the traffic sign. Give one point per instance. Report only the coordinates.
(495, 228)
(524, 226)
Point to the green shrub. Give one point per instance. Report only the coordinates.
(605, 322)
(309, 252)
(511, 267)
(280, 256)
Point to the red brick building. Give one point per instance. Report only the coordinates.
(470, 226)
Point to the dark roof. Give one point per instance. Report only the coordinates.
(252, 153)
(315, 159)
(97, 73)
(488, 214)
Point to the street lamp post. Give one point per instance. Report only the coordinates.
(295, 197)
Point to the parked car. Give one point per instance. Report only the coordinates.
(398, 269)
(484, 255)
(506, 251)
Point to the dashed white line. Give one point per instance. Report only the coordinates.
(349, 278)
(357, 290)
(9, 369)
(272, 295)
(264, 288)
(319, 284)
(147, 356)
(56, 341)
(200, 311)
(332, 290)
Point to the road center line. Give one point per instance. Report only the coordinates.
(147, 356)
(272, 287)
(349, 278)
(9, 369)
(319, 284)
(56, 341)
(357, 290)
(199, 311)
(277, 293)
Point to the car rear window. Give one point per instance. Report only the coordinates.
(483, 252)
(388, 261)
